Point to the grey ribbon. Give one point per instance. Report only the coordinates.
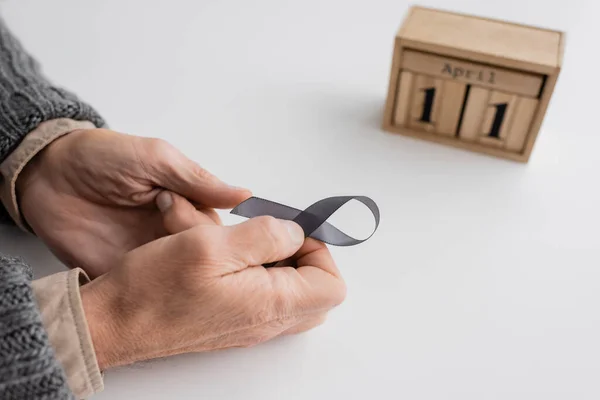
(313, 220)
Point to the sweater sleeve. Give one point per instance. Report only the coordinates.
(28, 98)
(28, 366)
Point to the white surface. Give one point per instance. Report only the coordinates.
(483, 281)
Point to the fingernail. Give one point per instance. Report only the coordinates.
(295, 231)
(164, 201)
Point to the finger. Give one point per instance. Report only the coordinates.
(304, 290)
(312, 253)
(306, 325)
(305, 256)
(212, 214)
(264, 239)
(179, 214)
(316, 254)
(174, 171)
(314, 285)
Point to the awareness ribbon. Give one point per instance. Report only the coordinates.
(313, 220)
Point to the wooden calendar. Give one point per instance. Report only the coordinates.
(470, 82)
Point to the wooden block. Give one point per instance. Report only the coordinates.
(424, 108)
(495, 61)
(475, 108)
(524, 112)
(451, 103)
(403, 98)
(497, 120)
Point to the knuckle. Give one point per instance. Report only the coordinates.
(210, 251)
(202, 245)
(257, 309)
(161, 150)
(254, 340)
(320, 320)
(339, 295)
(270, 230)
(156, 145)
(257, 316)
(282, 302)
(201, 173)
(268, 223)
(247, 343)
(193, 242)
(266, 332)
(252, 313)
(310, 323)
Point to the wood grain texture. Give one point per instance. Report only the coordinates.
(519, 128)
(487, 58)
(483, 35)
(451, 102)
(392, 85)
(475, 110)
(403, 98)
(539, 115)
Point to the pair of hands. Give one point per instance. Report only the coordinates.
(138, 215)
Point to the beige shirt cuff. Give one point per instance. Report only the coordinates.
(59, 301)
(31, 145)
(57, 295)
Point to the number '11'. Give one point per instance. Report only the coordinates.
(499, 114)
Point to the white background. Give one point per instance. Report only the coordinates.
(483, 281)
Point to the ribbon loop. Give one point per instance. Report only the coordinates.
(313, 220)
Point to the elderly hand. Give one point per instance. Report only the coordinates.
(203, 288)
(90, 194)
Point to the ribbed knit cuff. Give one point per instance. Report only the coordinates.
(28, 98)
(28, 367)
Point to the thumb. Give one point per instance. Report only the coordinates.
(179, 214)
(263, 240)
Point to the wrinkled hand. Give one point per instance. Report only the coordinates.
(203, 288)
(90, 194)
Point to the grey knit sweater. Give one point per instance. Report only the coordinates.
(28, 367)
